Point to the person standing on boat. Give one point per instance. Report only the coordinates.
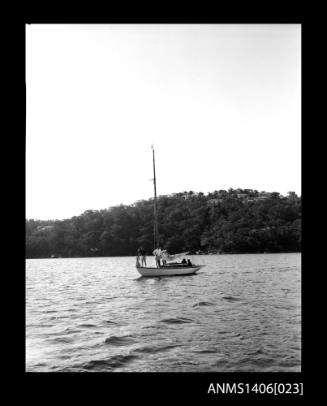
(138, 256)
(143, 256)
(157, 256)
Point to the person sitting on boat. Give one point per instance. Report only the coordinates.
(184, 261)
(164, 255)
(189, 263)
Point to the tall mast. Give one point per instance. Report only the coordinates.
(156, 233)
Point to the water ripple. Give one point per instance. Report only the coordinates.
(199, 304)
(108, 364)
(240, 313)
(177, 320)
(119, 340)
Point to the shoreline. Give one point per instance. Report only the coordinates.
(189, 255)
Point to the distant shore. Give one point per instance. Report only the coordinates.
(236, 221)
(151, 256)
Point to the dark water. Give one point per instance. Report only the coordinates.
(239, 313)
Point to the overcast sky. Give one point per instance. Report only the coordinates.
(220, 103)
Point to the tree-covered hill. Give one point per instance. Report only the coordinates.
(233, 221)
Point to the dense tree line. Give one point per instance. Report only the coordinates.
(233, 221)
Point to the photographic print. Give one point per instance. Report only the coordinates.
(163, 198)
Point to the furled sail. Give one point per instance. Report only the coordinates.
(166, 256)
(169, 257)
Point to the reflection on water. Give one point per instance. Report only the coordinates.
(239, 313)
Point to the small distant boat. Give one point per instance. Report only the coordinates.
(168, 269)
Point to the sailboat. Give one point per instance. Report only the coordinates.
(169, 268)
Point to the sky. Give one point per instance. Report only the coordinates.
(221, 105)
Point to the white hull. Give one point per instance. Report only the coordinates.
(169, 270)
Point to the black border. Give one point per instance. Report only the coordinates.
(155, 386)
